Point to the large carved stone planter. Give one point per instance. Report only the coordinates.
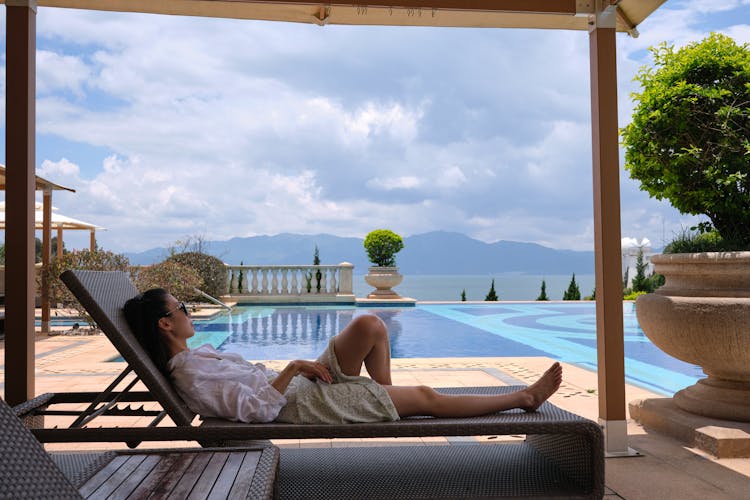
(383, 279)
(702, 316)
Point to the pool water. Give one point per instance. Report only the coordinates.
(562, 331)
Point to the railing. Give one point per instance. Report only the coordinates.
(302, 283)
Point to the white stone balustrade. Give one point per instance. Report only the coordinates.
(292, 283)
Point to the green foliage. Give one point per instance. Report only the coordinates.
(382, 245)
(543, 292)
(212, 271)
(240, 278)
(592, 296)
(99, 260)
(38, 248)
(463, 295)
(2, 255)
(690, 241)
(573, 292)
(634, 295)
(656, 280)
(640, 281)
(180, 280)
(318, 274)
(492, 295)
(689, 140)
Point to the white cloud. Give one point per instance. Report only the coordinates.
(172, 126)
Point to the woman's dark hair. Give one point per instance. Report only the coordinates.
(142, 313)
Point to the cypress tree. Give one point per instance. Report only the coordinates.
(573, 292)
(463, 295)
(640, 282)
(543, 293)
(318, 274)
(492, 296)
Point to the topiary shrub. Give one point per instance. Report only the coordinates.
(98, 260)
(181, 281)
(382, 245)
(212, 271)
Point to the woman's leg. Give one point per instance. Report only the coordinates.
(422, 400)
(365, 340)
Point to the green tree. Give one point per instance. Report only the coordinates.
(640, 282)
(463, 295)
(543, 292)
(240, 278)
(492, 295)
(573, 292)
(382, 245)
(689, 139)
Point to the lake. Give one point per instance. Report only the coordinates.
(508, 286)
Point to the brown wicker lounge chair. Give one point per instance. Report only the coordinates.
(562, 454)
(27, 471)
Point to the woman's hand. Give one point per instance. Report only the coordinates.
(310, 369)
(313, 370)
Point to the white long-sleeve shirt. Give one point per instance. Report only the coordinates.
(224, 385)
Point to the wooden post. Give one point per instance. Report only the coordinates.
(46, 256)
(20, 127)
(59, 242)
(607, 238)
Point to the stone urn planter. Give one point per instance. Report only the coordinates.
(383, 279)
(702, 316)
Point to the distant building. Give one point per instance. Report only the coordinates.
(630, 249)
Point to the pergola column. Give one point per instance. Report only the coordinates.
(20, 85)
(46, 256)
(607, 238)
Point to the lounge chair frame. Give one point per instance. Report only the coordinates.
(27, 471)
(574, 445)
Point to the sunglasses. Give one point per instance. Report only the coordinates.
(181, 306)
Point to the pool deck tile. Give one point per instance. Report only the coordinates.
(666, 469)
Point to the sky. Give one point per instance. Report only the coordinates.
(171, 128)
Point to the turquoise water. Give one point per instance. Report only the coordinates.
(565, 331)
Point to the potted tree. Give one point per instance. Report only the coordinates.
(382, 245)
(689, 143)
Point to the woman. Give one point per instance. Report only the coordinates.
(328, 390)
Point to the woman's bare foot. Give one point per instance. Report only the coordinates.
(543, 388)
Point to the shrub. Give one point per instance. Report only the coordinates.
(178, 279)
(633, 295)
(382, 245)
(212, 271)
(689, 140)
(689, 241)
(98, 260)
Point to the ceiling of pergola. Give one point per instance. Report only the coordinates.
(541, 14)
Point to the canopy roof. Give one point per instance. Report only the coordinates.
(41, 184)
(544, 14)
(58, 221)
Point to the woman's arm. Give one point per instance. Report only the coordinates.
(310, 369)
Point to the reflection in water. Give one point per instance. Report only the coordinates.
(286, 329)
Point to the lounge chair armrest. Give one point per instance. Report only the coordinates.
(28, 407)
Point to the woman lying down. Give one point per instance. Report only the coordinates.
(326, 391)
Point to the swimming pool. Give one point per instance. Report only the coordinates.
(562, 331)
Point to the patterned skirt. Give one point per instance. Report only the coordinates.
(349, 399)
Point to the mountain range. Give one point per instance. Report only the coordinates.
(438, 252)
